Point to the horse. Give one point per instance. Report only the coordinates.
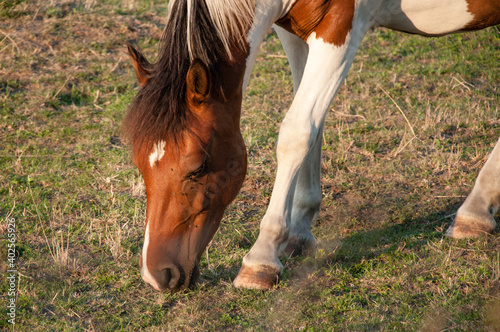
(183, 124)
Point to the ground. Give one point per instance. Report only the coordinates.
(404, 140)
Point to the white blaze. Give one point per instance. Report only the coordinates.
(146, 275)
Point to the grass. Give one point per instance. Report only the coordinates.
(404, 141)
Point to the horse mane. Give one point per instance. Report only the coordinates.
(230, 18)
(203, 29)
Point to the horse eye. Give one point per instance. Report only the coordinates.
(197, 173)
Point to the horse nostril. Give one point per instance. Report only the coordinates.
(169, 276)
(173, 277)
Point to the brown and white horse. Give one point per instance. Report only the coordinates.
(184, 122)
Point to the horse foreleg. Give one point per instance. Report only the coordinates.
(475, 216)
(299, 138)
(307, 196)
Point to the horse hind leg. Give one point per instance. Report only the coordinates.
(475, 216)
(306, 204)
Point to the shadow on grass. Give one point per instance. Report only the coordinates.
(411, 234)
(354, 251)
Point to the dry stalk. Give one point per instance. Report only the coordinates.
(462, 83)
(113, 241)
(14, 44)
(52, 253)
(61, 254)
(400, 110)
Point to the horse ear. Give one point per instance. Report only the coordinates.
(141, 65)
(198, 81)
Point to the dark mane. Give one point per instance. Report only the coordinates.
(159, 110)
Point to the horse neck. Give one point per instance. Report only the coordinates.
(235, 74)
(230, 74)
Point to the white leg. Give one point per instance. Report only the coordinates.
(326, 68)
(306, 202)
(475, 216)
(307, 196)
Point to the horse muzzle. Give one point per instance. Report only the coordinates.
(171, 277)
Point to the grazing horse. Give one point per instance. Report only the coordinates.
(184, 122)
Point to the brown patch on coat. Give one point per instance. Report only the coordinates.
(486, 13)
(330, 19)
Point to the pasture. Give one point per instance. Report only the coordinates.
(404, 140)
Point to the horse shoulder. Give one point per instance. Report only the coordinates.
(331, 20)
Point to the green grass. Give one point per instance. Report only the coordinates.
(388, 196)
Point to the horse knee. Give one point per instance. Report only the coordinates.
(293, 143)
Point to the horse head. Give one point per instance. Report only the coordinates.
(192, 171)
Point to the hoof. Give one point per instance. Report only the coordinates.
(260, 277)
(297, 247)
(465, 227)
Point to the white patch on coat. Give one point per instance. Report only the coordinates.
(429, 17)
(157, 154)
